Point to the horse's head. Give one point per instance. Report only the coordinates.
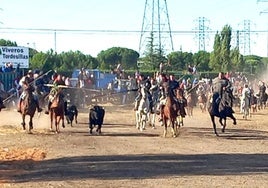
(180, 93)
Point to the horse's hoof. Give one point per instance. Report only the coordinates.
(63, 126)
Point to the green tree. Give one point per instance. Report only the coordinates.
(4, 42)
(201, 60)
(215, 59)
(226, 36)
(180, 60)
(115, 55)
(237, 60)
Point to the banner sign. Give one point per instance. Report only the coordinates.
(15, 55)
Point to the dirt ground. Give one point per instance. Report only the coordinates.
(126, 157)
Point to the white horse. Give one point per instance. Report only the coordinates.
(143, 111)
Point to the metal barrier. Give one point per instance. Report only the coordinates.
(8, 79)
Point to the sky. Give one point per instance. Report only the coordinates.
(89, 25)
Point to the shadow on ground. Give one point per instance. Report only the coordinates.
(133, 167)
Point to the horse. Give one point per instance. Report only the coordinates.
(142, 113)
(170, 112)
(190, 104)
(202, 101)
(262, 100)
(57, 109)
(28, 107)
(221, 110)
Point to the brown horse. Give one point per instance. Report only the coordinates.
(170, 111)
(202, 101)
(57, 112)
(28, 107)
(190, 104)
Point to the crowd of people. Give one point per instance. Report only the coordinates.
(237, 85)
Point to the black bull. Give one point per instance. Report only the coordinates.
(96, 116)
(222, 110)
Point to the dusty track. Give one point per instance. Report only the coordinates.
(126, 157)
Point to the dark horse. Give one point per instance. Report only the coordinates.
(57, 111)
(170, 111)
(28, 107)
(221, 110)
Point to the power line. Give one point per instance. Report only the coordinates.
(92, 31)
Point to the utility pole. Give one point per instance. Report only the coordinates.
(246, 37)
(202, 33)
(264, 12)
(156, 29)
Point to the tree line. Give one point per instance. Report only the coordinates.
(223, 58)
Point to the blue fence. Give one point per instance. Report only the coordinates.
(8, 79)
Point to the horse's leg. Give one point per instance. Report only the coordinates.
(165, 127)
(90, 127)
(223, 125)
(51, 120)
(99, 129)
(57, 124)
(233, 118)
(180, 121)
(212, 117)
(152, 120)
(137, 119)
(173, 127)
(23, 122)
(62, 120)
(30, 124)
(75, 116)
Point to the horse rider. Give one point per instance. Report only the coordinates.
(143, 82)
(220, 85)
(154, 90)
(246, 94)
(173, 85)
(54, 91)
(262, 89)
(170, 83)
(26, 85)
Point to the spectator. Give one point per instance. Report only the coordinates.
(194, 69)
(190, 69)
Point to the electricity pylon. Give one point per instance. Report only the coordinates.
(155, 32)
